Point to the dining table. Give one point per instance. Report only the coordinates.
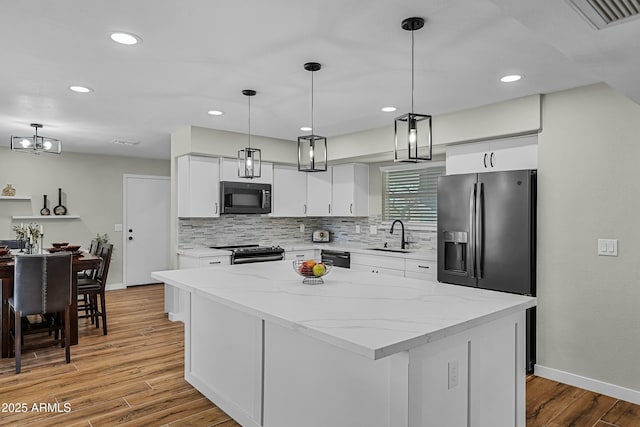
(79, 262)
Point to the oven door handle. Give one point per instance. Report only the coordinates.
(247, 260)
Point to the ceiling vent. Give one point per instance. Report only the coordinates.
(124, 142)
(603, 13)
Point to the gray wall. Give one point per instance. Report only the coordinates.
(589, 321)
(93, 190)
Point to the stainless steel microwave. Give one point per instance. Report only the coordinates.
(245, 198)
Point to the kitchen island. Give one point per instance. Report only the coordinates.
(359, 350)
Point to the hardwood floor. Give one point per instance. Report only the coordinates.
(134, 377)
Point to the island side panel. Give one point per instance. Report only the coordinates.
(474, 378)
(310, 383)
(223, 357)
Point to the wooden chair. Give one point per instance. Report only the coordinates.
(42, 286)
(92, 289)
(83, 304)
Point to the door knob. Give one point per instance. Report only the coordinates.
(130, 238)
(130, 230)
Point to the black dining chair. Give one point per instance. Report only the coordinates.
(41, 286)
(91, 290)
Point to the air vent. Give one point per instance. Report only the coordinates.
(124, 142)
(603, 13)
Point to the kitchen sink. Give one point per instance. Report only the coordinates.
(402, 251)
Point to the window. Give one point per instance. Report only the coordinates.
(411, 193)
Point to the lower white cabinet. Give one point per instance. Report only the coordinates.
(421, 269)
(185, 261)
(303, 254)
(377, 264)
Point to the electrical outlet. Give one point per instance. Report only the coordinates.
(453, 374)
(357, 228)
(302, 228)
(373, 229)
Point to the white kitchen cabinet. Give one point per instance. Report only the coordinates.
(350, 190)
(303, 254)
(493, 156)
(229, 172)
(319, 193)
(378, 264)
(421, 269)
(198, 186)
(289, 192)
(185, 261)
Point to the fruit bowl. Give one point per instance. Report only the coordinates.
(311, 270)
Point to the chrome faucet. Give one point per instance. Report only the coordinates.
(402, 242)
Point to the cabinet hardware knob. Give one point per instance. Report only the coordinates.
(485, 160)
(491, 157)
(215, 262)
(423, 266)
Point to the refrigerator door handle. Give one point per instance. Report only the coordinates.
(479, 230)
(471, 256)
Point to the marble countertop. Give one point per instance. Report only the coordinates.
(429, 255)
(369, 314)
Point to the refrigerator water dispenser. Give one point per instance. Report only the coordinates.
(455, 251)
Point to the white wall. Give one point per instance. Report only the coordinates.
(588, 188)
(93, 189)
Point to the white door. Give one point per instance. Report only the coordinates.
(147, 204)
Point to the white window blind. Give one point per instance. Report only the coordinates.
(411, 194)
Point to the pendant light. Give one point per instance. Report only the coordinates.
(36, 144)
(312, 149)
(249, 159)
(411, 131)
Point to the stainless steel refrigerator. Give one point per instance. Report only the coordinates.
(487, 235)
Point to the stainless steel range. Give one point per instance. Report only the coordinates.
(244, 254)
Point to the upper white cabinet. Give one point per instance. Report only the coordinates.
(198, 186)
(229, 172)
(289, 193)
(319, 193)
(497, 155)
(350, 190)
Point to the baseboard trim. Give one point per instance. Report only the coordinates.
(114, 286)
(596, 386)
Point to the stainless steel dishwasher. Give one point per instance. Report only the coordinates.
(337, 258)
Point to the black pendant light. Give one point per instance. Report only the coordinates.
(249, 159)
(412, 132)
(312, 149)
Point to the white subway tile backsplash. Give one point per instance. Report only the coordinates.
(265, 230)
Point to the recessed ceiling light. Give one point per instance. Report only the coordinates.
(80, 89)
(388, 109)
(215, 112)
(510, 78)
(306, 129)
(125, 38)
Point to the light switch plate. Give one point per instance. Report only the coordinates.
(608, 247)
(373, 229)
(357, 228)
(117, 227)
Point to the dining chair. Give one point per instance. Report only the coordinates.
(92, 289)
(41, 286)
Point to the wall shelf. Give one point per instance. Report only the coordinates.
(15, 197)
(45, 217)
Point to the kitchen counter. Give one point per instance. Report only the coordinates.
(271, 351)
(429, 255)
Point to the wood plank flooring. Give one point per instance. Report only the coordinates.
(134, 377)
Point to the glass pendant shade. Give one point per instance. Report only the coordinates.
(312, 153)
(412, 131)
(36, 144)
(249, 163)
(412, 135)
(249, 159)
